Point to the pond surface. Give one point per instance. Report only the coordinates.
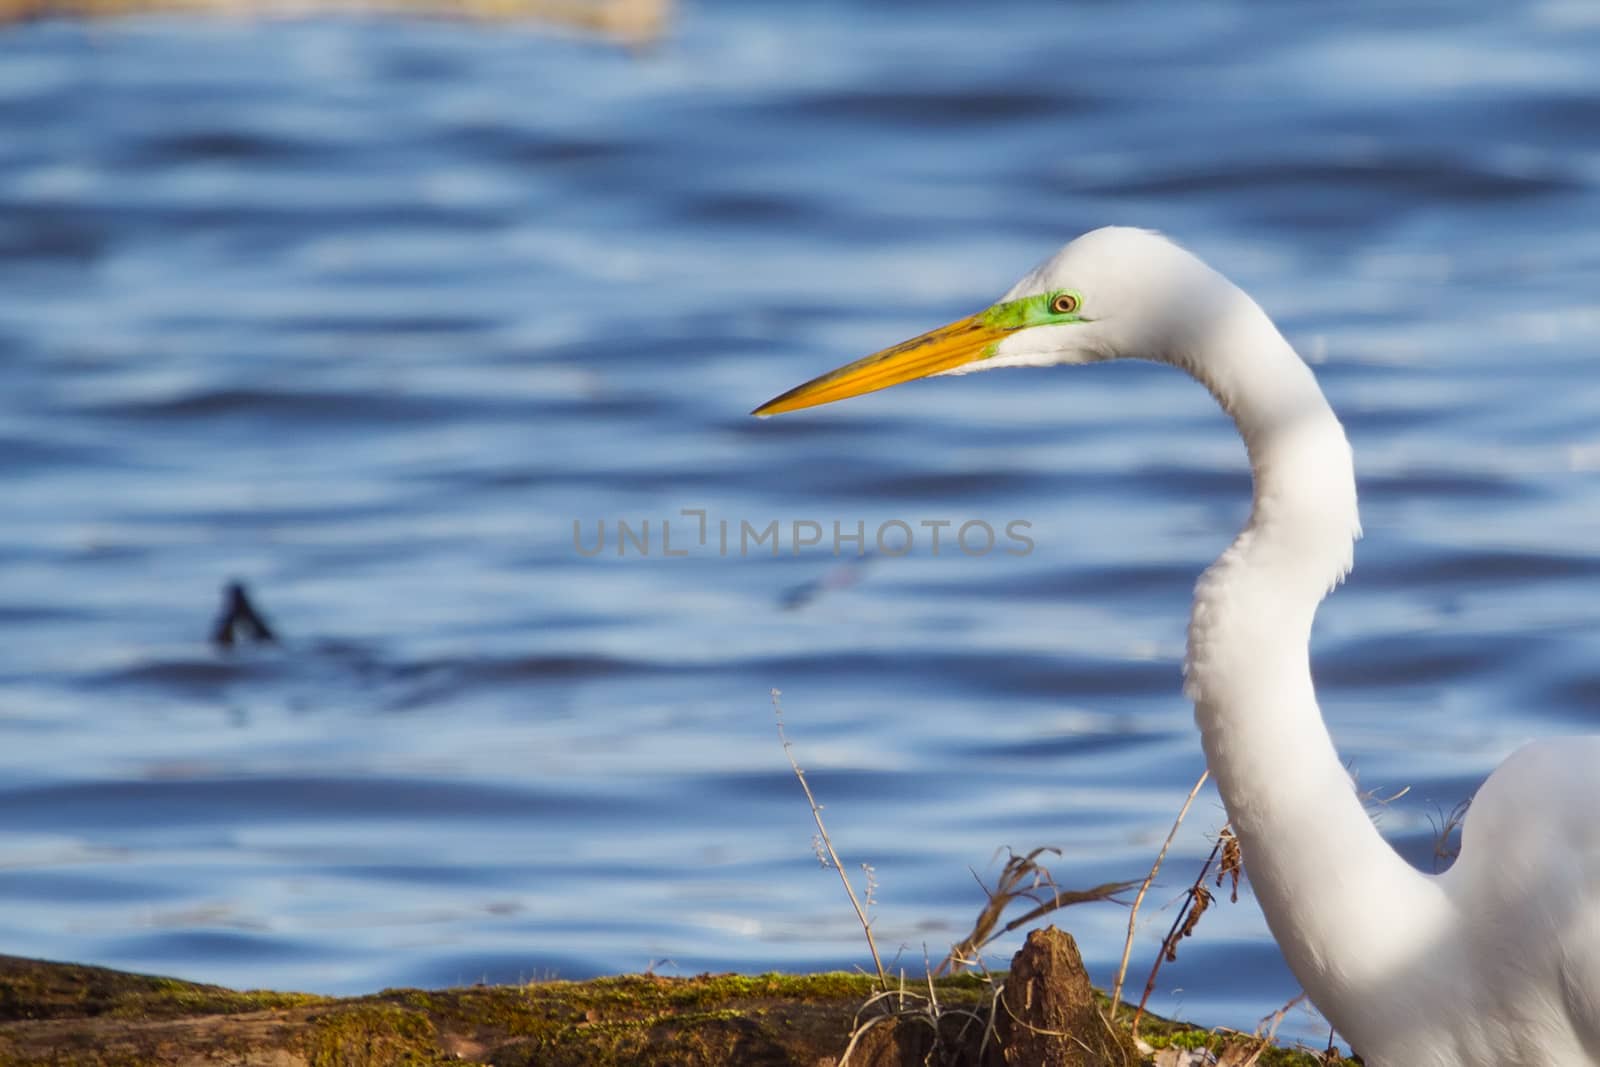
(376, 316)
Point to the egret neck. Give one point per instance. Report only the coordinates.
(1332, 889)
(1496, 962)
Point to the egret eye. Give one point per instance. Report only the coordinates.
(1065, 304)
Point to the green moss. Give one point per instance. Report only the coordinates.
(169, 997)
(36, 989)
(545, 1009)
(64, 1014)
(1186, 1039)
(648, 1019)
(1163, 1033)
(373, 1035)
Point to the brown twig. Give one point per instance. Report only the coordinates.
(1268, 1027)
(1021, 877)
(1232, 862)
(1197, 898)
(827, 843)
(1144, 887)
(892, 1006)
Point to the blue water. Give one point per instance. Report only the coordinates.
(369, 314)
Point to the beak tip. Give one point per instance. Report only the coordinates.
(778, 405)
(934, 352)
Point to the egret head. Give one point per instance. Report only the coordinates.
(1113, 293)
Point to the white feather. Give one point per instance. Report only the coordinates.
(1495, 963)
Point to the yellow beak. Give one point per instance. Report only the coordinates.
(946, 348)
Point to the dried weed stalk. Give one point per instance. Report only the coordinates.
(1197, 898)
(1446, 839)
(891, 1006)
(1144, 887)
(1268, 1027)
(1025, 878)
(827, 846)
(1238, 1049)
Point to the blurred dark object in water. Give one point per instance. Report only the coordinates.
(636, 22)
(239, 618)
(845, 575)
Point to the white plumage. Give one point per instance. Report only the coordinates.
(1496, 962)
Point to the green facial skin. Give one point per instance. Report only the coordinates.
(1028, 311)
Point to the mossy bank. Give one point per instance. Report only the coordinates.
(60, 1014)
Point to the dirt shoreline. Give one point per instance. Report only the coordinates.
(61, 1013)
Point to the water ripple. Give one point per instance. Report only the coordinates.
(366, 314)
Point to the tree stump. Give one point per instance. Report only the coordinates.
(1047, 1015)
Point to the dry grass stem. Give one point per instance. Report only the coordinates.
(1268, 1027)
(1446, 843)
(893, 1005)
(1023, 877)
(1246, 1050)
(827, 844)
(1144, 887)
(1232, 865)
(1197, 898)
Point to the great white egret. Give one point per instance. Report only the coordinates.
(1495, 962)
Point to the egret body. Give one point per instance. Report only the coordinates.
(1495, 962)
